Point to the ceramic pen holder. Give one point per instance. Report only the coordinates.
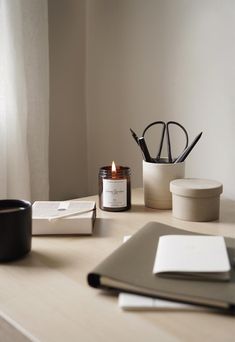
(156, 182)
(15, 229)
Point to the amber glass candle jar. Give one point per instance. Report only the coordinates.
(114, 188)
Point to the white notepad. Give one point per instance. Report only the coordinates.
(202, 257)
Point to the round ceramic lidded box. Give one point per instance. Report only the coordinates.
(196, 199)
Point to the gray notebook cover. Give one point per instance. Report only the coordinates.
(129, 269)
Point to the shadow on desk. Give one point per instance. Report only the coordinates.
(139, 208)
(37, 259)
(106, 227)
(227, 211)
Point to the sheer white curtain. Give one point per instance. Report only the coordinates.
(24, 99)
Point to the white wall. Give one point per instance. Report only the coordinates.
(161, 59)
(116, 64)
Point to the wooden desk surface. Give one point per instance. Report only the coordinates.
(45, 296)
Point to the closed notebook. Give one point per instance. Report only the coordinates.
(193, 257)
(130, 269)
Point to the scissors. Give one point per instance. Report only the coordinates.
(166, 128)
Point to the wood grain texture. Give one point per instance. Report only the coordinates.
(10, 331)
(47, 294)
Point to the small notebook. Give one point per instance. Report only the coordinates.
(194, 257)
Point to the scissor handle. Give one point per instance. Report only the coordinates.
(162, 136)
(165, 127)
(170, 160)
(152, 124)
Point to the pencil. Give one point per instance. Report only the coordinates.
(186, 152)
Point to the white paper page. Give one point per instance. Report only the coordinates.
(128, 301)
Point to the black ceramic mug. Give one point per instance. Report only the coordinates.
(15, 229)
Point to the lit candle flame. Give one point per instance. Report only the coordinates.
(114, 170)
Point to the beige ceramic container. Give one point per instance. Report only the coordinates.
(196, 199)
(156, 182)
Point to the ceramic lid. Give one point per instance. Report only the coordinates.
(196, 187)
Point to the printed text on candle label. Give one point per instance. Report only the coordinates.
(114, 193)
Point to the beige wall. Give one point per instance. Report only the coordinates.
(68, 150)
(161, 59)
(145, 60)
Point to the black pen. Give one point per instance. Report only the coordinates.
(186, 152)
(135, 136)
(144, 150)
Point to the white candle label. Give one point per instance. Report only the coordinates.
(114, 193)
